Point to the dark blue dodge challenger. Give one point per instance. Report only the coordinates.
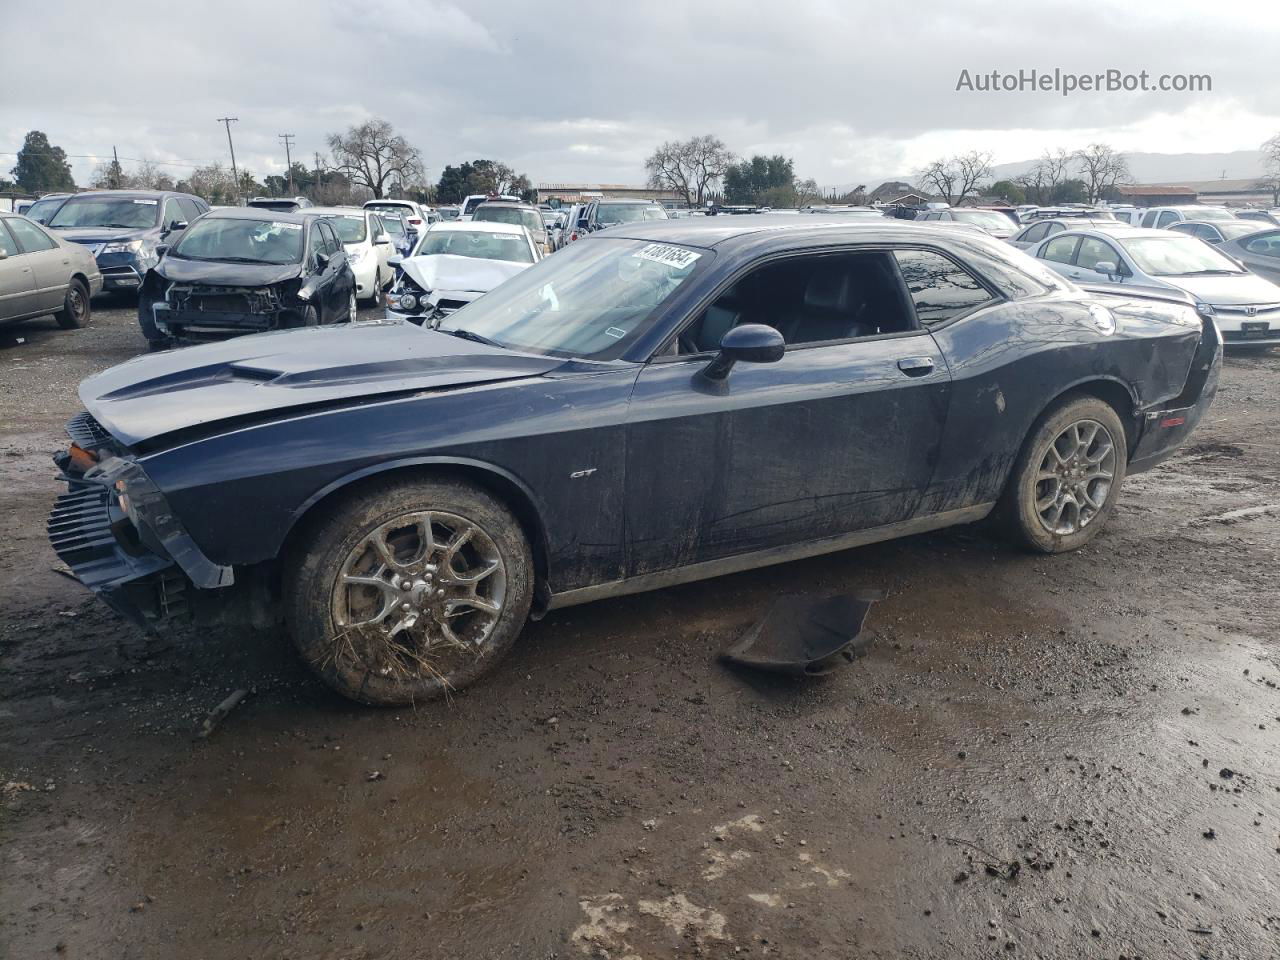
(659, 403)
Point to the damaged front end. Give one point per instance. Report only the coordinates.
(198, 312)
(409, 301)
(115, 531)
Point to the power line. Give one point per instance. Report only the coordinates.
(98, 156)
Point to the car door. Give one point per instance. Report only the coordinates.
(1031, 236)
(17, 278)
(1089, 254)
(836, 437)
(1059, 253)
(49, 263)
(382, 251)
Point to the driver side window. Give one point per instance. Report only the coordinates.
(809, 300)
(317, 246)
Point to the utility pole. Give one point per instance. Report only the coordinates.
(235, 174)
(315, 190)
(287, 139)
(115, 169)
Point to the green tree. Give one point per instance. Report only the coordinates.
(479, 176)
(1011, 191)
(42, 167)
(1070, 191)
(749, 180)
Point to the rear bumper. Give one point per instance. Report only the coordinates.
(1165, 428)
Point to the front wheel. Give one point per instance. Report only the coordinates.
(352, 308)
(1067, 478)
(75, 306)
(411, 590)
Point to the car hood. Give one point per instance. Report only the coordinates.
(99, 234)
(1238, 288)
(178, 270)
(447, 271)
(157, 394)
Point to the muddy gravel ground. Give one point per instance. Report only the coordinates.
(1075, 756)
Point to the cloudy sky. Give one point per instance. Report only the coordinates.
(571, 91)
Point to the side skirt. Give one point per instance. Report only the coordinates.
(764, 558)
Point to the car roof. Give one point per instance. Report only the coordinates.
(1123, 232)
(143, 194)
(714, 232)
(625, 200)
(262, 213)
(479, 226)
(386, 200)
(334, 211)
(515, 204)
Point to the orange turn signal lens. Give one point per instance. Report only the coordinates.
(81, 457)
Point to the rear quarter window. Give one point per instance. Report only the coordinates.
(940, 288)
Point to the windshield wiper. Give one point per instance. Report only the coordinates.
(472, 336)
(243, 260)
(1219, 272)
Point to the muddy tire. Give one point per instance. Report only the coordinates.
(1067, 477)
(409, 590)
(75, 306)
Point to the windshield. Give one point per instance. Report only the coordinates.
(134, 213)
(350, 227)
(988, 219)
(403, 209)
(447, 213)
(592, 300)
(1240, 228)
(41, 210)
(512, 215)
(240, 240)
(482, 245)
(628, 212)
(1176, 256)
(1208, 213)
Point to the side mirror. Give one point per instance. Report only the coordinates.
(178, 225)
(382, 238)
(322, 260)
(395, 261)
(749, 343)
(161, 250)
(1107, 267)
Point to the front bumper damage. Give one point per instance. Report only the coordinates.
(197, 313)
(115, 532)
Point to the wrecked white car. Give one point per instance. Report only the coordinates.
(453, 264)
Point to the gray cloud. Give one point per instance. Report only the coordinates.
(574, 90)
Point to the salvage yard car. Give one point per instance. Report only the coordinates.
(1245, 306)
(454, 264)
(246, 270)
(368, 245)
(42, 273)
(124, 228)
(659, 403)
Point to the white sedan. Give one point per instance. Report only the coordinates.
(456, 262)
(368, 245)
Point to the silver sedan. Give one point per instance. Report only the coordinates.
(41, 273)
(1245, 306)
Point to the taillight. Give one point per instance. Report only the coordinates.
(416, 221)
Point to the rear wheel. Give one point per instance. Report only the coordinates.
(412, 590)
(377, 288)
(75, 306)
(1067, 477)
(352, 308)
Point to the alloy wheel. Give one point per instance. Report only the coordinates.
(1075, 477)
(419, 595)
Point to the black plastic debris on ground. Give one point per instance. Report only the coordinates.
(805, 636)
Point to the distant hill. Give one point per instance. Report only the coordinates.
(1170, 167)
(1146, 168)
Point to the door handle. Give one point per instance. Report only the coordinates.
(916, 366)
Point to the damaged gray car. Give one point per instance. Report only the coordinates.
(239, 271)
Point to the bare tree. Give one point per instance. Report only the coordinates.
(1048, 173)
(1271, 168)
(956, 178)
(1101, 168)
(807, 191)
(690, 168)
(374, 156)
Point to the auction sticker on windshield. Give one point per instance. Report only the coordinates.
(277, 225)
(677, 257)
(149, 203)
